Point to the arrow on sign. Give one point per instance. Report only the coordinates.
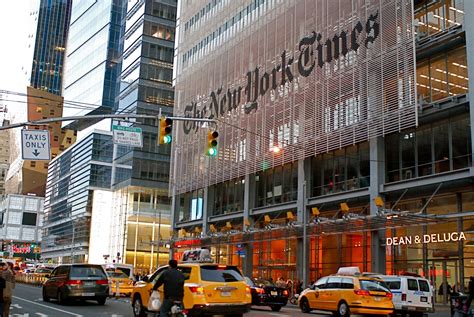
(36, 153)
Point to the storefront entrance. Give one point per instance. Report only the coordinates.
(445, 278)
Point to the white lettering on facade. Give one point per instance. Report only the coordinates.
(426, 238)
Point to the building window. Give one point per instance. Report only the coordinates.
(32, 164)
(277, 185)
(14, 217)
(45, 165)
(28, 234)
(51, 112)
(443, 75)
(29, 219)
(39, 109)
(341, 170)
(31, 204)
(16, 203)
(229, 196)
(56, 138)
(430, 149)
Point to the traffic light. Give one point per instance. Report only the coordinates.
(166, 126)
(212, 143)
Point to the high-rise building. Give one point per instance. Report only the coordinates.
(29, 177)
(93, 58)
(345, 136)
(43, 95)
(50, 46)
(141, 175)
(77, 186)
(21, 219)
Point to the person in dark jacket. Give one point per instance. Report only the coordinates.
(173, 281)
(471, 291)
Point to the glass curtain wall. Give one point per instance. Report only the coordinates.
(431, 149)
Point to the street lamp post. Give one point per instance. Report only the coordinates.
(159, 242)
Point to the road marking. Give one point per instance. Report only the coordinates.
(46, 306)
(41, 315)
(16, 306)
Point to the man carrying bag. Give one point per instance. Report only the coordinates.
(173, 281)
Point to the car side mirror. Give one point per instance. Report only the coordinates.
(47, 275)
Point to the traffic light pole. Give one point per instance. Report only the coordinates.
(104, 116)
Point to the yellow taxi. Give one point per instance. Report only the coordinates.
(119, 279)
(346, 293)
(210, 289)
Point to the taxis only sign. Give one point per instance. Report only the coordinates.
(426, 238)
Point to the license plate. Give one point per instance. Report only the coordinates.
(89, 283)
(423, 299)
(87, 294)
(378, 299)
(273, 293)
(225, 294)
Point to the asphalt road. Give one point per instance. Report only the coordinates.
(27, 302)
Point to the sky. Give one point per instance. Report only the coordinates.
(17, 30)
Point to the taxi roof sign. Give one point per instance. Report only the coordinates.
(348, 270)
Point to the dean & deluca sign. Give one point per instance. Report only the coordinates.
(426, 238)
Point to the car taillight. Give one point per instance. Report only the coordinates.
(260, 290)
(285, 293)
(102, 282)
(362, 292)
(389, 295)
(198, 290)
(247, 289)
(73, 282)
(404, 297)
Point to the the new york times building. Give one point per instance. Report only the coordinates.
(344, 136)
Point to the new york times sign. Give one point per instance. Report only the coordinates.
(314, 51)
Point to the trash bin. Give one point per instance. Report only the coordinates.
(459, 306)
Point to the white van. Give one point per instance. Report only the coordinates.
(412, 295)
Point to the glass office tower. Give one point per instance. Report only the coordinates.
(50, 46)
(141, 175)
(93, 55)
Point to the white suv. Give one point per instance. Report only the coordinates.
(412, 295)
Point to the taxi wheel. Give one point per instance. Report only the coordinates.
(138, 310)
(45, 297)
(343, 310)
(60, 298)
(275, 308)
(304, 305)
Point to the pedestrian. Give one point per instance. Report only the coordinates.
(289, 287)
(9, 276)
(173, 281)
(281, 282)
(470, 288)
(2, 288)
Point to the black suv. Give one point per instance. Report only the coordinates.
(77, 281)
